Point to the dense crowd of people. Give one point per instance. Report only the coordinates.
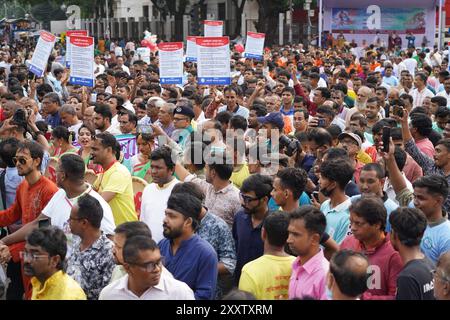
(318, 173)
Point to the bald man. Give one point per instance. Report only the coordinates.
(442, 277)
(347, 278)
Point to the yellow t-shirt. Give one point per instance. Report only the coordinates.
(117, 179)
(267, 277)
(238, 177)
(59, 286)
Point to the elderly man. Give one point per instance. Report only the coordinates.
(442, 277)
(364, 93)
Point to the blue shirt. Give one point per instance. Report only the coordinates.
(54, 120)
(338, 219)
(436, 240)
(304, 200)
(194, 263)
(216, 231)
(249, 245)
(12, 181)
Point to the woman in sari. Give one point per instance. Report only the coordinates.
(62, 140)
(141, 162)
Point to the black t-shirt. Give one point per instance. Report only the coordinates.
(415, 281)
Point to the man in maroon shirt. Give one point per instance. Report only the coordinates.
(368, 222)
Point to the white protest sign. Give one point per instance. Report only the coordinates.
(70, 33)
(171, 62)
(82, 61)
(213, 61)
(254, 45)
(41, 53)
(191, 49)
(213, 28)
(144, 54)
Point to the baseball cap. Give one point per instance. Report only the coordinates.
(184, 111)
(274, 117)
(352, 135)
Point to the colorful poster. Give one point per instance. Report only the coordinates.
(143, 54)
(191, 49)
(376, 18)
(82, 61)
(213, 61)
(254, 45)
(171, 62)
(213, 28)
(70, 33)
(41, 53)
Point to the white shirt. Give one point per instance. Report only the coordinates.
(126, 69)
(154, 204)
(59, 207)
(418, 96)
(411, 65)
(101, 69)
(75, 129)
(167, 289)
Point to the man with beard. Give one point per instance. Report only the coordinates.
(70, 178)
(188, 257)
(32, 196)
(364, 93)
(155, 195)
(254, 197)
(43, 260)
(102, 120)
(145, 278)
(114, 184)
(372, 113)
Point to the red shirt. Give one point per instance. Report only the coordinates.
(30, 200)
(384, 263)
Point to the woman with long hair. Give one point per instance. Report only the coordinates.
(62, 140)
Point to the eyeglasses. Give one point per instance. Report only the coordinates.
(25, 255)
(150, 266)
(21, 160)
(247, 199)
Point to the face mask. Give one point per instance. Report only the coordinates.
(327, 193)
